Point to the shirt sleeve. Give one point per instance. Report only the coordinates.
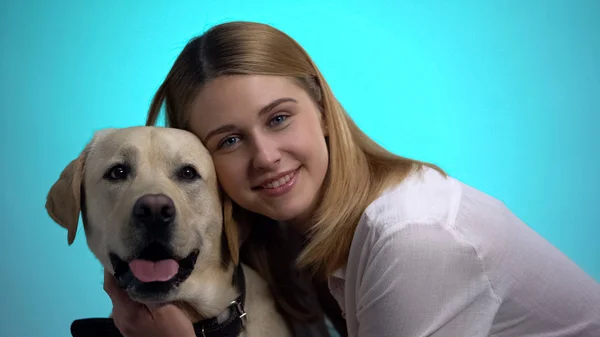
(422, 280)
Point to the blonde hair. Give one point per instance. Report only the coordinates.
(359, 169)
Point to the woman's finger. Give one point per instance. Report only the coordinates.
(134, 319)
(119, 297)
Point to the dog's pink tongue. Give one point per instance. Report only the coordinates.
(148, 271)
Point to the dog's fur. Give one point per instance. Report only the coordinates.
(155, 155)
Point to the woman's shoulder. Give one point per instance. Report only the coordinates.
(424, 196)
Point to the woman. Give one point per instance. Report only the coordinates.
(405, 249)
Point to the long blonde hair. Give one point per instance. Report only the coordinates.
(359, 169)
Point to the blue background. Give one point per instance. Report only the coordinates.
(503, 95)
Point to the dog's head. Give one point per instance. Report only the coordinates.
(151, 208)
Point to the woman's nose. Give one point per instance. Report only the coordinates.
(266, 154)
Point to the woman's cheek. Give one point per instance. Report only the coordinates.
(228, 173)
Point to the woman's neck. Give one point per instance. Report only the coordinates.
(297, 227)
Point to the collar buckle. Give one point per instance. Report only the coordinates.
(240, 312)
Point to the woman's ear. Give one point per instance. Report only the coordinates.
(324, 126)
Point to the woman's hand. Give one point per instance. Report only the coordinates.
(134, 319)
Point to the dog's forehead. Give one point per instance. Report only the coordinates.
(156, 144)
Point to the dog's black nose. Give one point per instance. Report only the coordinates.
(154, 210)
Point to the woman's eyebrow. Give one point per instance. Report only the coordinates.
(220, 129)
(267, 108)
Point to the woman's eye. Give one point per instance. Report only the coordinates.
(229, 141)
(277, 120)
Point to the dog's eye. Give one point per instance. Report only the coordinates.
(117, 172)
(188, 173)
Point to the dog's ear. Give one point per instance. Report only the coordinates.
(236, 227)
(63, 202)
(231, 229)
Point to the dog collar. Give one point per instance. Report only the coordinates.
(231, 327)
(236, 321)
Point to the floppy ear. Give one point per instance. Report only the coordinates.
(236, 227)
(63, 202)
(231, 228)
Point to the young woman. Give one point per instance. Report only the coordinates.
(405, 249)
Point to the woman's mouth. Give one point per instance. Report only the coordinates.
(279, 182)
(279, 186)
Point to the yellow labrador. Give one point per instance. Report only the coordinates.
(153, 216)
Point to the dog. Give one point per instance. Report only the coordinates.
(152, 214)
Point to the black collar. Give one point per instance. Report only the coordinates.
(92, 327)
(236, 321)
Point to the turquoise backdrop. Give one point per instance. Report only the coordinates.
(504, 95)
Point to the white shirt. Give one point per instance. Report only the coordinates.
(435, 257)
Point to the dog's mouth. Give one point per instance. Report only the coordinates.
(155, 270)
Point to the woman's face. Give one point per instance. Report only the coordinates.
(267, 141)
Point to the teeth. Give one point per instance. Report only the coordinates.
(279, 182)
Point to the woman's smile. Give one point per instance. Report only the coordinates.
(280, 185)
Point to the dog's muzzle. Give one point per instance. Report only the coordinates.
(155, 214)
(154, 269)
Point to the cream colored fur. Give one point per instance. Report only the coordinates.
(155, 153)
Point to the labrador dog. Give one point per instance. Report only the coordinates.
(152, 214)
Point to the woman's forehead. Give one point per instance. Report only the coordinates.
(234, 89)
(238, 97)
